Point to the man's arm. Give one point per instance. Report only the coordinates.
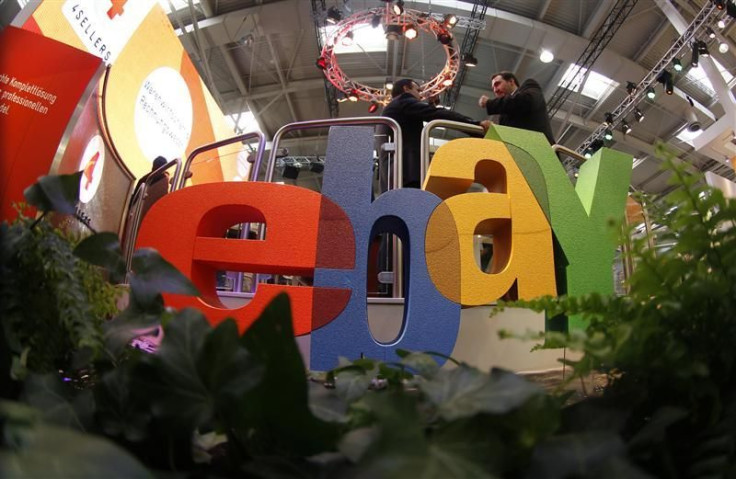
(521, 102)
(427, 112)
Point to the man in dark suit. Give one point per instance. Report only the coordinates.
(518, 106)
(410, 113)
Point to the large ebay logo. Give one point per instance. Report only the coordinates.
(327, 236)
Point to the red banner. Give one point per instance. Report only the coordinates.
(41, 83)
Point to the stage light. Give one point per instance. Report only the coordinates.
(665, 78)
(677, 65)
(638, 115)
(348, 39)
(291, 172)
(608, 134)
(376, 20)
(596, 145)
(702, 48)
(373, 107)
(630, 87)
(609, 119)
(444, 37)
(410, 31)
(723, 47)
(322, 63)
(720, 4)
(317, 167)
(625, 128)
(342, 97)
(711, 34)
(651, 93)
(588, 153)
(389, 84)
(450, 20)
(393, 31)
(721, 24)
(694, 58)
(353, 95)
(447, 82)
(333, 15)
(398, 7)
(470, 60)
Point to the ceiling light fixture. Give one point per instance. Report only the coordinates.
(322, 63)
(711, 33)
(546, 56)
(721, 24)
(393, 32)
(609, 119)
(625, 128)
(638, 115)
(373, 107)
(469, 60)
(720, 4)
(694, 58)
(389, 84)
(450, 20)
(702, 49)
(665, 78)
(677, 65)
(608, 134)
(630, 87)
(651, 93)
(444, 37)
(447, 82)
(723, 47)
(353, 95)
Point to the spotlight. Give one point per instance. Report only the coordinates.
(348, 39)
(398, 7)
(677, 65)
(609, 119)
(608, 134)
(651, 93)
(389, 84)
(393, 32)
(702, 48)
(342, 97)
(711, 34)
(630, 87)
(444, 37)
(376, 20)
(625, 128)
(333, 15)
(720, 4)
(638, 115)
(723, 47)
(447, 82)
(373, 107)
(596, 145)
(721, 24)
(322, 63)
(353, 95)
(588, 153)
(665, 78)
(410, 31)
(317, 167)
(694, 58)
(470, 60)
(450, 20)
(546, 56)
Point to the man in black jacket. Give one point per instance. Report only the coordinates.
(411, 113)
(519, 106)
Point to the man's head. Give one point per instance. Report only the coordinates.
(406, 85)
(158, 163)
(504, 83)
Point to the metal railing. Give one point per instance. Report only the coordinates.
(424, 144)
(135, 212)
(396, 168)
(228, 141)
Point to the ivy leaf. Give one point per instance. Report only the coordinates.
(465, 391)
(57, 403)
(274, 417)
(198, 372)
(122, 409)
(352, 384)
(55, 193)
(423, 363)
(103, 249)
(153, 275)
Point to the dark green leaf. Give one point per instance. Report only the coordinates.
(55, 193)
(275, 416)
(422, 363)
(58, 402)
(465, 391)
(103, 249)
(153, 275)
(574, 455)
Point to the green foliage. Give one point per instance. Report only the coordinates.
(668, 345)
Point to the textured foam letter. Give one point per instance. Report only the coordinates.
(522, 238)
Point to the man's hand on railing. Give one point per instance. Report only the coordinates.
(486, 124)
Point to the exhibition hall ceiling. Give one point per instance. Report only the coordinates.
(258, 58)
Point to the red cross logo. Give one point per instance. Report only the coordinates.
(116, 8)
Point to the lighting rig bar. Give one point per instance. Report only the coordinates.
(595, 47)
(474, 24)
(630, 101)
